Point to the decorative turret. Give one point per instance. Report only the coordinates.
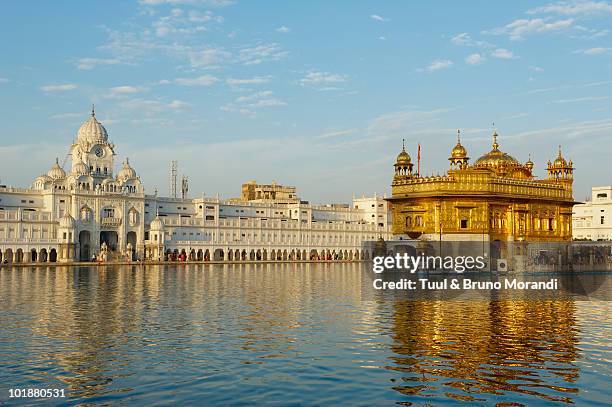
(56, 172)
(458, 159)
(529, 164)
(403, 164)
(560, 169)
(127, 172)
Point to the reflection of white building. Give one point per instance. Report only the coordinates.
(592, 220)
(68, 216)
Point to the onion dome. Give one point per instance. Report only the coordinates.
(157, 224)
(495, 157)
(403, 158)
(560, 161)
(79, 167)
(529, 163)
(56, 172)
(126, 172)
(458, 151)
(67, 221)
(92, 131)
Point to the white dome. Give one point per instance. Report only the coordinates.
(79, 167)
(67, 222)
(56, 172)
(126, 172)
(157, 224)
(92, 131)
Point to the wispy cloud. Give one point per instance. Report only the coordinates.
(465, 40)
(204, 80)
(594, 51)
(582, 99)
(59, 87)
(152, 106)
(257, 80)
(519, 29)
(61, 116)
(321, 78)
(283, 29)
(438, 65)
(4, 80)
(125, 90)
(570, 8)
(210, 57)
(261, 53)
(248, 104)
(377, 17)
(502, 53)
(85, 64)
(475, 59)
(335, 134)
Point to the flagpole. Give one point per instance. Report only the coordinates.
(419, 161)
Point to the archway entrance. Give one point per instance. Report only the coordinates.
(84, 245)
(131, 238)
(53, 256)
(110, 238)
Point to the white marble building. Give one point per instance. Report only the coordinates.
(592, 220)
(71, 215)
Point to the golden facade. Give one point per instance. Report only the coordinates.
(495, 198)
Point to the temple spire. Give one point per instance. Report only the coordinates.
(93, 110)
(458, 136)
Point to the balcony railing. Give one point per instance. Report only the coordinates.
(111, 222)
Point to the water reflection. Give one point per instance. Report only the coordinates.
(466, 349)
(313, 334)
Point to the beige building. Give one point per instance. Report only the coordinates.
(254, 192)
(92, 210)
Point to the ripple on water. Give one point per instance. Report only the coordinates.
(288, 334)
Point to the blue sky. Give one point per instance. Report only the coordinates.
(313, 94)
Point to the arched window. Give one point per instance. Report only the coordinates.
(133, 217)
(85, 214)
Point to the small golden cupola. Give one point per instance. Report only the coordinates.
(458, 159)
(560, 168)
(403, 164)
(529, 164)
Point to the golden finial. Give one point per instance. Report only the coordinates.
(458, 136)
(560, 150)
(93, 110)
(403, 144)
(495, 145)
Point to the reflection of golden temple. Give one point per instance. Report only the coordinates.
(495, 198)
(440, 347)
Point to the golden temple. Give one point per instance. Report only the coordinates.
(496, 198)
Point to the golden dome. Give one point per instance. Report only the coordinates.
(560, 161)
(403, 158)
(458, 151)
(495, 157)
(529, 163)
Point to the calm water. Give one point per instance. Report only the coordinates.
(288, 334)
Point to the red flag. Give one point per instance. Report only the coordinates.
(419, 160)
